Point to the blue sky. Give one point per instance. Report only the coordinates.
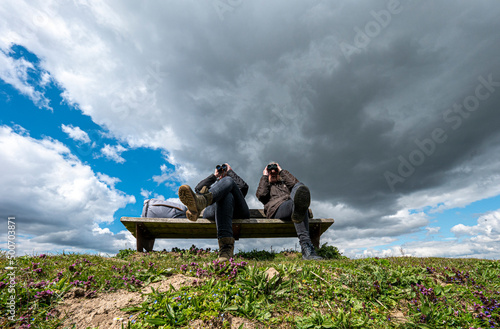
(394, 128)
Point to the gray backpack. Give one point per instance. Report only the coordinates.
(156, 208)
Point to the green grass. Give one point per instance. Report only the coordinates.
(398, 292)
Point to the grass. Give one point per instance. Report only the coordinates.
(398, 292)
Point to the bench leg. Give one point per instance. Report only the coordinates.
(236, 231)
(315, 233)
(144, 240)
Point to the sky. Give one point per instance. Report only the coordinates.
(387, 110)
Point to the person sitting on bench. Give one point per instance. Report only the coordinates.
(286, 198)
(222, 195)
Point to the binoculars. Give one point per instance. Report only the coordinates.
(221, 168)
(271, 167)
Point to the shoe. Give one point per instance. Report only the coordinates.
(226, 249)
(194, 202)
(301, 202)
(308, 252)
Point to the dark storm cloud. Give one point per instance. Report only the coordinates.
(341, 121)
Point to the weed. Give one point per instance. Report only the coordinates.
(260, 255)
(329, 252)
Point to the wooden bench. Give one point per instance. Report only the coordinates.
(146, 230)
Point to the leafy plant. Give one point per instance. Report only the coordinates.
(259, 255)
(125, 253)
(329, 252)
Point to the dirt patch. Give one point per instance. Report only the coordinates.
(247, 324)
(291, 255)
(234, 323)
(104, 310)
(398, 316)
(177, 281)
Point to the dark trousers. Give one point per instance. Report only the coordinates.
(285, 211)
(228, 203)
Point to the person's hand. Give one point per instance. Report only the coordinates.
(265, 173)
(223, 173)
(279, 168)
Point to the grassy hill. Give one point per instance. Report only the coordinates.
(258, 289)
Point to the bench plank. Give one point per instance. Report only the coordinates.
(146, 230)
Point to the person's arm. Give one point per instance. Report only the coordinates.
(206, 182)
(288, 179)
(264, 190)
(239, 181)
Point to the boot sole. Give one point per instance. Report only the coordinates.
(301, 200)
(188, 199)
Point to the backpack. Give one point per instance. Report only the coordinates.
(156, 208)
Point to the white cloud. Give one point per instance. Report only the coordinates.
(57, 200)
(16, 73)
(432, 230)
(170, 177)
(145, 193)
(76, 133)
(487, 228)
(110, 181)
(479, 241)
(113, 152)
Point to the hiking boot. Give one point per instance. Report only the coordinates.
(194, 202)
(301, 202)
(226, 249)
(308, 252)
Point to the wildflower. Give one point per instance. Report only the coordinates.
(44, 294)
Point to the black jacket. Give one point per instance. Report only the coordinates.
(212, 179)
(272, 195)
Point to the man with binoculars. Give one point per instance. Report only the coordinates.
(222, 195)
(286, 198)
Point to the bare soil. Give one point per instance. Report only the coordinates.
(104, 311)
